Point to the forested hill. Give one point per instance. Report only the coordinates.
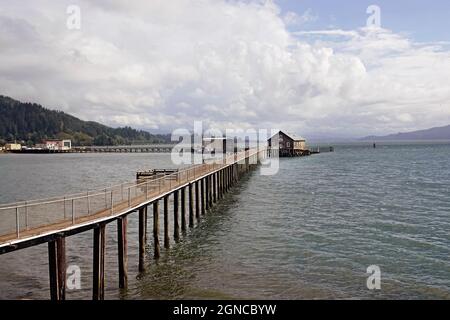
(438, 133)
(31, 123)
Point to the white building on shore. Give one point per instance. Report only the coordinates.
(54, 144)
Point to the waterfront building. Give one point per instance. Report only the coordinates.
(54, 144)
(13, 147)
(287, 145)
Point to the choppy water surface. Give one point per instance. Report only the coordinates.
(308, 232)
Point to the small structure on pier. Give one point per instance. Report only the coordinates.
(287, 145)
(155, 173)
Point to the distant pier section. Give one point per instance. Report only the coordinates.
(153, 148)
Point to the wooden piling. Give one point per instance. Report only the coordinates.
(57, 268)
(207, 193)
(61, 252)
(232, 175)
(53, 270)
(202, 200)
(222, 181)
(219, 184)
(166, 223)
(142, 219)
(197, 200)
(156, 229)
(211, 189)
(183, 209)
(226, 179)
(145, 223)
(98, 281)
(191, 206)
(122, 251)
(176, 222)
(214, 185)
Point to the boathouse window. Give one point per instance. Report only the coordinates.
(288, 144)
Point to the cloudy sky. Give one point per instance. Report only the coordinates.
(311, 67)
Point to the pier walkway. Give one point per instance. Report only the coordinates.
(30, 223)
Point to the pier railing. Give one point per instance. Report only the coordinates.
(20, 218)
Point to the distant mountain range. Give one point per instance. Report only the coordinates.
(30, 123)
(438, 133)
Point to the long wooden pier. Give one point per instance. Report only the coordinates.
(146, 148)
(30, 223)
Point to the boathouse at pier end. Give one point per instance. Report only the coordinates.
(287, 145)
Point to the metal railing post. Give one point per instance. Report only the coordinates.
(17, 223)
(26, 215)
(112, 202)
(88, 203)
(129, 197)
(73, 213)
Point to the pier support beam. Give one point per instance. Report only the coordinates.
(197, 200)
(232, 175)
(224, 173)
(191, 206)
(176, 222)
(183, 209)
(142, 219)
(214, 187)
(222, 182)
(98, 279)
(53, 270)
(207, 192)
(166, 223)
(226, 179)
(122, 251)
(61, 251)
(156, 229)
(145, 223)
(57, 268)
(202, 200)
(219, 184)
(210, 193)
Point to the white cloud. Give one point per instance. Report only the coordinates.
(294, 19)
(163, 64)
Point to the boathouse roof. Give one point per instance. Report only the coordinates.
(290, 135)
